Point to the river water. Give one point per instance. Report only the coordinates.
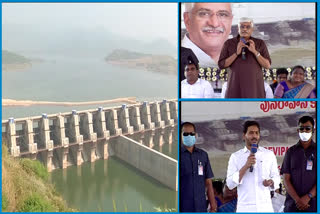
(105, 185)
(81, 79)
(113, 185)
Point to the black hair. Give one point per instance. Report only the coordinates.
(188, 124)
(282, 71)
(191, 61)
(218, 186)
(305, 119)
(298, 66)
(250, 123)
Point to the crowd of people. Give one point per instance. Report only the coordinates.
(206, 44)
(253, 180)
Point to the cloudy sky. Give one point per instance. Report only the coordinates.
(145, 21)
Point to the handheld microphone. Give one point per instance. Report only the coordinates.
(243, 50)
(243, 53)
(254, 148)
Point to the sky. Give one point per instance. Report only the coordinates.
(145, 21)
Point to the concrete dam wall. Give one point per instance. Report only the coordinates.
(64, 139)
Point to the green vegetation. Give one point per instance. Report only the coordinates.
(34, 167)
(25, 187)
(35, 203)
(4, 202)
(12, 58)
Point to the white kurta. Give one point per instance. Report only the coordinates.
(200, 89)
(253, 196)
(204, 59)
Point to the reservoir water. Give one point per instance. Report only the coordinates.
(113, 185)
(105, 185)
(81, 79)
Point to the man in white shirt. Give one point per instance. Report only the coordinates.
(267, 88)
(253, 186)
(208, 26)
(192, 86)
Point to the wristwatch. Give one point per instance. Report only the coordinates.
(258, 54)
(310, 195)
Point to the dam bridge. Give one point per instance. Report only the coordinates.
(129, 132)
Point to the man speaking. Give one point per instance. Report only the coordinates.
(245, 56)
(253, 170)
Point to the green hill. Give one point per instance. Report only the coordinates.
(158, 63)
(13, 58)
(25, 187)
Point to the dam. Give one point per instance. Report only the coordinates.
(70, 139)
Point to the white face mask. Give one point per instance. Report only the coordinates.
(304, 136)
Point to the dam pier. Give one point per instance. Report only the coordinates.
(65, 139)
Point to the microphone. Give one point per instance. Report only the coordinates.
(254, 148)
(243, 50)
(243, 53)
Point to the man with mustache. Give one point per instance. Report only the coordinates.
(299, 169)
(254, 185)
(245, 56)
(208, 27)
(193, 86)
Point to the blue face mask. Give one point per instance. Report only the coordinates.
(189, 140)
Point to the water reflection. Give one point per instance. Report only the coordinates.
(113, 185)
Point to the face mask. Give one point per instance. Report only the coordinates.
(189, 140)
(304, 136)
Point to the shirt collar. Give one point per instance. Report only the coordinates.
(184, 149)
(247, 150)
(204, 59)
(313, 144)
(185, 81)
(238, 37)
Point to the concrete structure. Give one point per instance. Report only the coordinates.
(64, 139)
(149, 161)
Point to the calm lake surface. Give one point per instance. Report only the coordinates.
(105, 185)
(81, 79)
(113, 185)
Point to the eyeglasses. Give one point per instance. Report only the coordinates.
(221, 15)
(242, 27)
(307, 128)
(188, 133)
(190, 69)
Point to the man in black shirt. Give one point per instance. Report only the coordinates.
(195, 174)
(299, 169)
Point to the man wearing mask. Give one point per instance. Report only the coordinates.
(195, 174)
(299, 169)
(253, 170)
(245, 56)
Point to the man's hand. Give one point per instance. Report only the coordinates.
(302, 203)
(252, 47)
(250, 161)
(268, 183)
(240, 46)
